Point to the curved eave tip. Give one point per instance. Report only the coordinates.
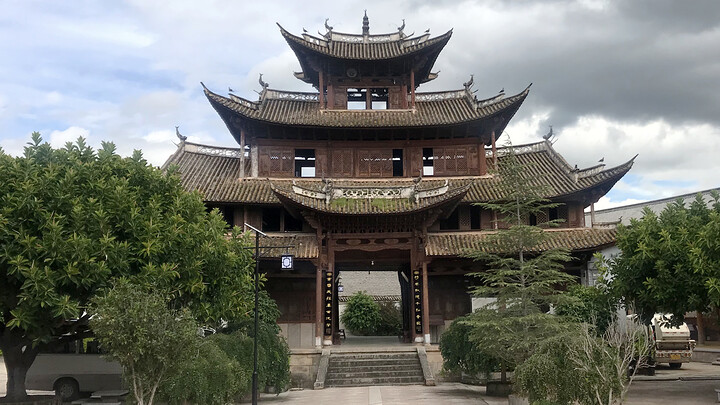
(205, 89)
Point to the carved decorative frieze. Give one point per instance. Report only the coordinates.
(330, 192)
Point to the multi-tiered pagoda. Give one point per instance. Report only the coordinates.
(368, 174)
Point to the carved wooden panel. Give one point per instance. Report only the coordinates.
(340, 98)
(321, 162)
(341, 162)
(374, 163)
(276, 162)
(395, 97)
(295, 298)
(464, 217)
(415, 162)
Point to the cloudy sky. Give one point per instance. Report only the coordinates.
(613, 78)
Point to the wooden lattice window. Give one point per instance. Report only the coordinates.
(341, 161)
(375, 163)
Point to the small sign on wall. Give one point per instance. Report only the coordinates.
(286, 262)
(417, 299)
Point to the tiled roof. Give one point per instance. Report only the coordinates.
(303, 109)
(575, 239)
(304, 245)
(364, 206)
(373, 49)
(214, 172)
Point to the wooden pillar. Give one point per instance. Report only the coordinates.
(482, 165)
(494, 151)
(425, 305)
(412, 89)
(330, 298)
(242, 154)
(254, 160)
(330, 95)
(321, 96)
(368, 99)
(319, 300)
(404, 102)
(592, 215)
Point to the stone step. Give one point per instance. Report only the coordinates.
(365, 381)
(373, 362)
(371, 373)
(410, 355)
(389, 368)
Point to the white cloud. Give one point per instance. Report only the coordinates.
(58, 139)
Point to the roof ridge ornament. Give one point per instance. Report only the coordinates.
(366, 25)
(468, 84)
(401, 28)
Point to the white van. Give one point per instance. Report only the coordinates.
(69, 374)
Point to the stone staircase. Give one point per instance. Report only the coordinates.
(363, 369)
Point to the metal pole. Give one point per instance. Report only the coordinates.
(255, 337)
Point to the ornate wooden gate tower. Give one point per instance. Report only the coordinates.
(366, 173)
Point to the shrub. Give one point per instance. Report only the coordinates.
(460, 355)
(362, 314)
(210, 377)
(390, 320)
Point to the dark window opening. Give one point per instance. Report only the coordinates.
(397, 162)
(271, 219)
(428, 158)
(227, 212)
(533, 220)
(450, 223)
(475, 217)
(292, 224)
(356, 99)
(379, 99)
(304, 162)
(553, 214)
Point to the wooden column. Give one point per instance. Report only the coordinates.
(319, 300)
(494, 151)
(330, 95)
(242, 154)
(425, 305)
(329, 279)
(412, 89)
(482, 164)
(368, 99)
(404, 101)
(321, 96)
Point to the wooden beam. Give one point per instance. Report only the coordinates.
(412, 89)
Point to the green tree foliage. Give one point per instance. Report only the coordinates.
(218, 372)
(151, 342)
(362, 314)
(460, 355)
(73, 219)
(522, 274)
(596, 305)
(670, 262)
(584, 367)
(390, 320)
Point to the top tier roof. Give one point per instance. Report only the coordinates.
(335, 50)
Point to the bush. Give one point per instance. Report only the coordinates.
(210, 377)
(460, 355)
(362, 315)
(390, 320)
(589, 304)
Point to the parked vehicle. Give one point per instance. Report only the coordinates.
(71, 372)
(672, 343)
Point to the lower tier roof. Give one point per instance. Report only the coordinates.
(214, 173)
(453, 244)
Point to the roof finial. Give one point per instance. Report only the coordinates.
(468, 84)
(262, 83)
(366, 25)
(327, 27)
(182, 138)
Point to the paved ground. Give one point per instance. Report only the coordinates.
(695, 383)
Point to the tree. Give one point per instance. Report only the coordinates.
(150, 341)
(670, 262)
(72, 220)
(584, 368)
(522, 274)
(362, 314)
